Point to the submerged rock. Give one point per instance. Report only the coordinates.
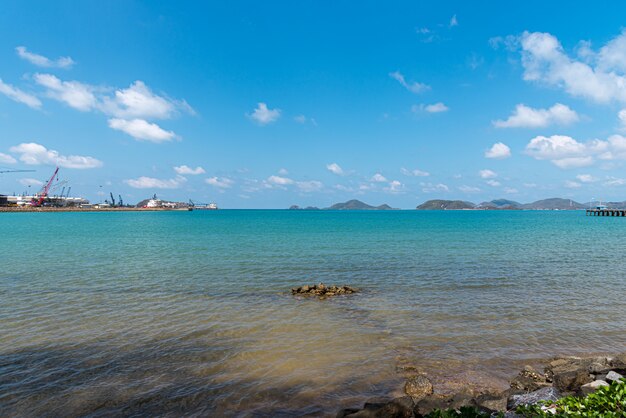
(322, 291)
(418, 387)
(396, 408)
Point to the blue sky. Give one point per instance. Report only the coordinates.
(268, 104)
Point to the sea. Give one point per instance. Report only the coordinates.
(191, 313)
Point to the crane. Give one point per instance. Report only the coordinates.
(45, 189)
(112, 199)
(120, 202)
(17, 171)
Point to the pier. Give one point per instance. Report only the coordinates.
(606, 212)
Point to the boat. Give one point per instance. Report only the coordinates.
(202, 206)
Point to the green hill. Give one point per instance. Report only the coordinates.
(438, 204)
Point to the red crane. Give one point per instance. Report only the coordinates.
(44, 190)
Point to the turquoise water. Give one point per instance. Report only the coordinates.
(170, 313)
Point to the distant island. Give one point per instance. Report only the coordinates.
(555, 203)
(349, 205)
(504, 204)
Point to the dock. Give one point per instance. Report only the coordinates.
(606, 212)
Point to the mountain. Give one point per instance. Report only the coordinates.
(296, 207)
(554, 203)
(438, 204)
(500, 204)
(358, 205)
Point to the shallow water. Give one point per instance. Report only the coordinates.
(189, 312)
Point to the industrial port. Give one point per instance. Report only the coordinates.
(55, 196)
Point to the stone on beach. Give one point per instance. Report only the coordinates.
(544, 394)
(592, 387)
(529, 380)
(418, 387)
(613, 376)
(379, 408)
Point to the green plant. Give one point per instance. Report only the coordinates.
(607, 402)
(462, 412)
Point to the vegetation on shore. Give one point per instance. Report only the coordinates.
(607, 401)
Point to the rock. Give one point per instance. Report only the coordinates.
(592, 387)
(396, 408)
(529, 380)
(492, 402)
(613, 377)
(429, 403)
(347, 412)
(545, 394)
(571, 381)
(418, 387)
(321, 290)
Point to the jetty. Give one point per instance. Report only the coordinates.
(606, 212)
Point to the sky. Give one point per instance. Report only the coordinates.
(270, 104)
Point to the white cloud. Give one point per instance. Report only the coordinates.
(152, 183)
(77, 95)
(487, 174)
(585, 178)
(436, 108)
(263, 115)
(453, 22)
(430, 187)
(220, 182)
(565, 152)
(498, 151)
(510, 190)
(413, 87)
(130, 108)
(509, 42)
(431, 108)
(469, 189)
(394, 187)
(36, 154)
(283, 172)
(527, 117)
(613, 181)
(279, 181)
(186, 170)
(493, 183)
(30, 182)
(599, 77)
(310, 186)
(138, 101)
(41, 61)
(378, 178)
(141, 129)
(621, 115)
(572, 184)
(335, 169)
(300, 119)
(7, 159)
(415, 173)
(19, 96)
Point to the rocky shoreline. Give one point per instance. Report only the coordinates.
(560, 377)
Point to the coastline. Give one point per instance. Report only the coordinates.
(547, 380)
(69, 209)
